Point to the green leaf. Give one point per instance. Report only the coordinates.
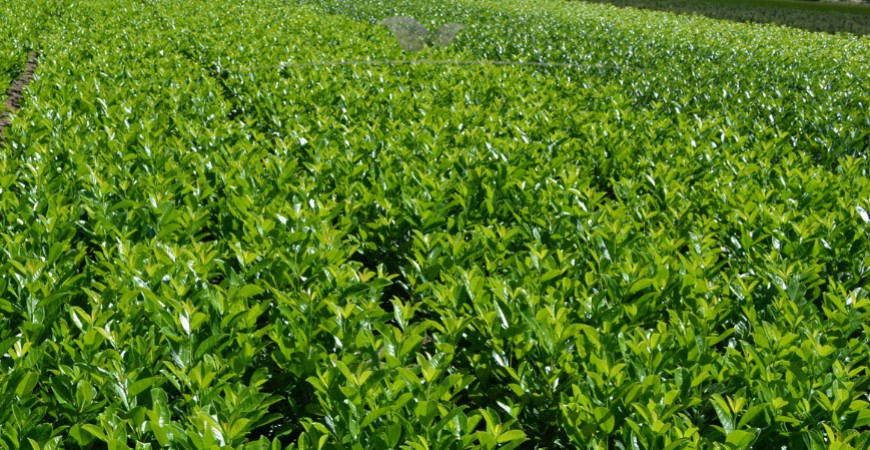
(550, 275)
(249, 290)
(95, 431)
(140, 385)
(723, 411)
(739, 439)
(606, 419)
(26, 384)
(511, 435)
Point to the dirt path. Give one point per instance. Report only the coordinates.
(16, 91)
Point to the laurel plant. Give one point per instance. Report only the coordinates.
(265, 225)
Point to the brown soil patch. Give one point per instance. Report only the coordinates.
(16, 91)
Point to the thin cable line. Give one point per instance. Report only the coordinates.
(455, 62)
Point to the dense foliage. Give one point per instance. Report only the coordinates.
(212, 241)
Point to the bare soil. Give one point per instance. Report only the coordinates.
(16, 91)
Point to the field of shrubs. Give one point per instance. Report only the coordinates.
(821, 16)
(263, 224)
